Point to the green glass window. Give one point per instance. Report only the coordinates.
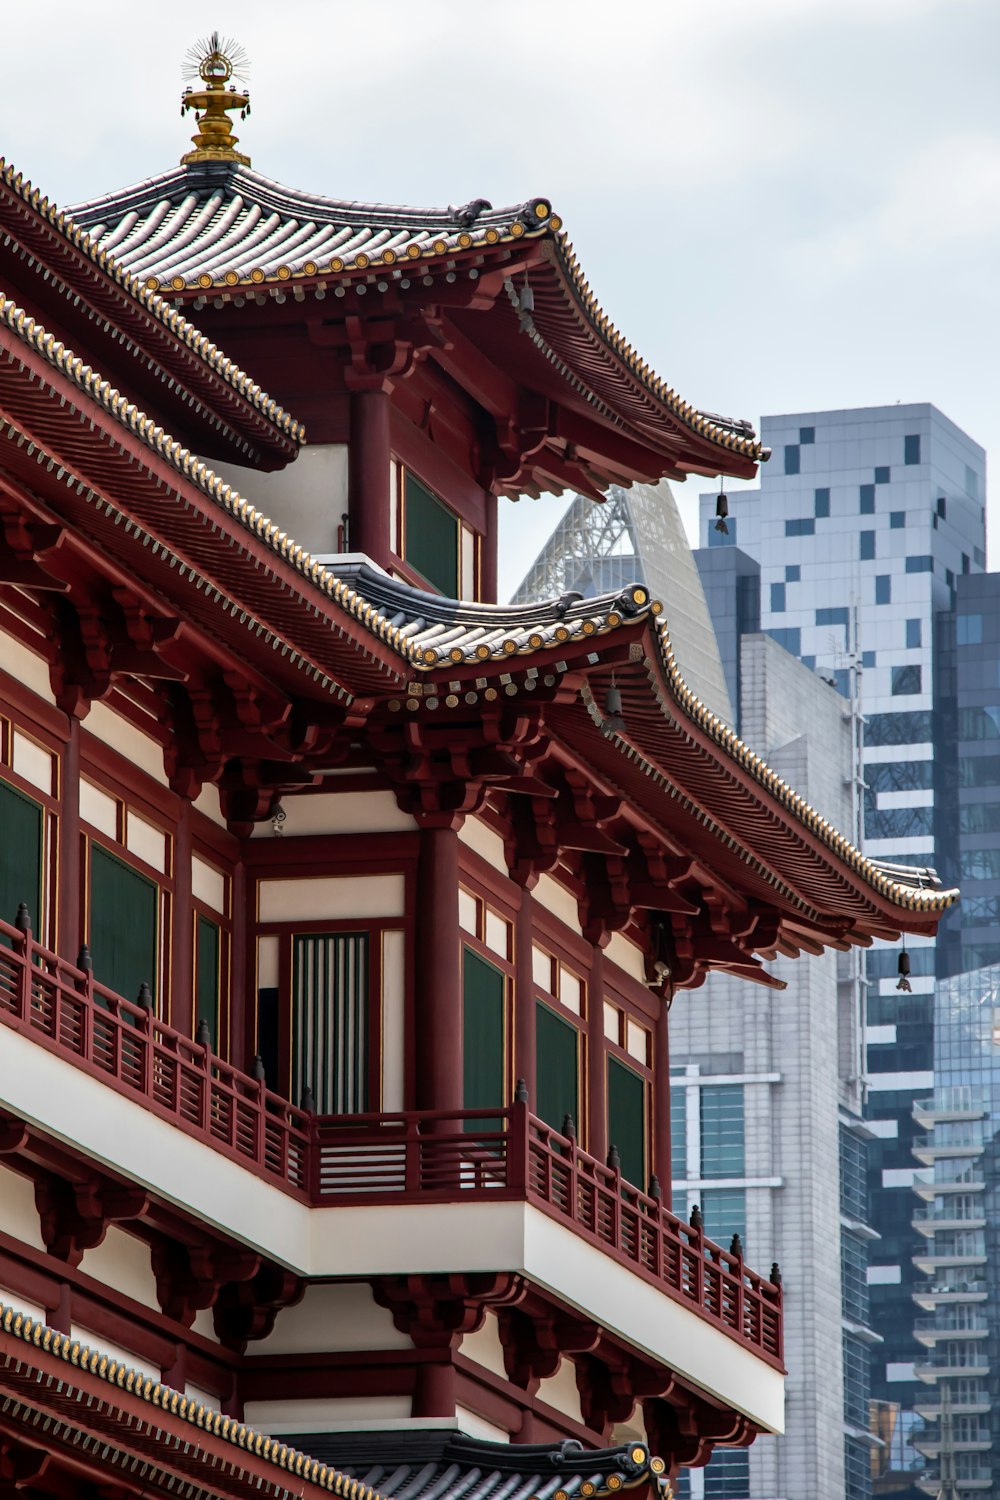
(208, 951)
(483, 993)
(627, 1120)
(123, 924)
(20, 855)
(431, 537)
(722, 1130)
(330, 1041)
(557, 1084)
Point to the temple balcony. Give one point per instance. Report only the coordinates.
(378, 1195)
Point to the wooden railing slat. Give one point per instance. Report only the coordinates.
(412, 1156)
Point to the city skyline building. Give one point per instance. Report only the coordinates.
(958, 1186)
(867, 524)
(756, 1072)
(767, 1134)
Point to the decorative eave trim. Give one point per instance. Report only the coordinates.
(120, 1376)
(194, 470)
(161, 310)
(618, 345)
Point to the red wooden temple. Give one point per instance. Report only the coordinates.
(341, 909)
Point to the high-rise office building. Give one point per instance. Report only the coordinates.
(958, 1181)
(766, 1134)
(864, 524)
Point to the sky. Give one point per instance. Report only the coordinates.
(785, 205)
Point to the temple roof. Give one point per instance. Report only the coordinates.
(223, 233)
(401, 652)
(171, 357)
(193, 222)
(72, 1391)
(437, 1465)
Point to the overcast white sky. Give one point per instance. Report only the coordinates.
(784, 204)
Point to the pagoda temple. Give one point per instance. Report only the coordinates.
(341, 908)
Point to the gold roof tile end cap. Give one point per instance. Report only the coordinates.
(214, 61)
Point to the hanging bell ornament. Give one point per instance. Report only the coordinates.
(903, 970)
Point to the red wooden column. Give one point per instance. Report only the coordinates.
(488, 554)
(597, 1107)
(368, 474)
(67, 937)
(438, 987)
(661, 1104)
(182, 997)
(524, 1000)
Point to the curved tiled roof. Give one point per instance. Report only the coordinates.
(217, 225)
(431, 633)
(438, 1465)
(220, 228)
(117, 1375)
(153, 303)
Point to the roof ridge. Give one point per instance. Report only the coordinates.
(117, 1373)
(299, 199)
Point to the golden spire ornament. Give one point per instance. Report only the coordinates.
(216, 61)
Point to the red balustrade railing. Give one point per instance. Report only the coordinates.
(417, 1156)
(125, 1045)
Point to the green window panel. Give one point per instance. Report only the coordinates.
(124, 908)
(330, 1031)
(627, 1120)
(20, 855)
(557, 1086)
(483, 1024)
(207, 975)
(431, 537)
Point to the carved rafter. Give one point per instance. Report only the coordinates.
(74, 1216)
(442, 771)
(436, 1311)
(22, 1464)
(535, 1339)
(247, 739)
(384, 349)
(611, 1381)
(190, 1278)
(31, 554)
(684, 1429)
(246, 1309)
(80, 671)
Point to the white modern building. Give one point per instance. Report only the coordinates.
(863, 523)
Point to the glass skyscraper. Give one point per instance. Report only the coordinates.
(864, 525)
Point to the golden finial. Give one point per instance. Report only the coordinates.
(215, 61)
